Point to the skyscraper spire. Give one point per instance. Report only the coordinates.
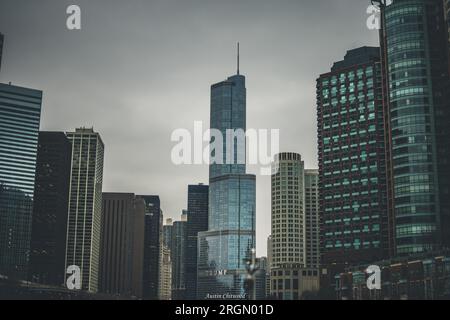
(238, 58)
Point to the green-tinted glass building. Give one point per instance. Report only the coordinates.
(415, 42)
(20, 113)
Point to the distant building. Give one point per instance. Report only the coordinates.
(85, 206)
(197, 222)
(269, 265)
(312, 219)
(167, 233)
(166, 275)
(261, 279)
(153, 238)
(178, 258)
(51, 203)
(20, 115)
(122, 244)
(165, 284)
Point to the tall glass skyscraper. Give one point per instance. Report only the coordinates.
(20, 113)
(224, 248)
(415, 41)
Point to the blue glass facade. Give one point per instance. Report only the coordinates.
(228, 111)
(226, 245)
(20, 112)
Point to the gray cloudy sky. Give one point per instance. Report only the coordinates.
(140, 69)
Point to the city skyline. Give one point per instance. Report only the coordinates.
(274, 87)
(113, 139)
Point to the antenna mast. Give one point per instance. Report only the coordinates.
(238, 58)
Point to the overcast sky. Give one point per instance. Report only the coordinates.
(138, 69)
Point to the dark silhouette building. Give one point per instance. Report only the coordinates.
(197, 222)
(51, 202)
(153, 239)
(122, 247)
(178, 258)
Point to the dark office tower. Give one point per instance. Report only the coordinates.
(415, 43)
(225, 247)
(51, 202)
(20, 114)
(122, 243)
(352, 175)
(1, 49)
(85, 206)
(153, 239)
(197, 222)
(178, 258)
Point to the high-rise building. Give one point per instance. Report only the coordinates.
(166, 275)
(122, 244)
(225, 247)
(1, 49)
(153, 238)
(288, 212)
(293, 236)
(51, 203)
(354, 220)
(166, 262)
(415, 60)
(85, 206)
(20, 114)
(178, 257)
(312, 219)
(197, 222)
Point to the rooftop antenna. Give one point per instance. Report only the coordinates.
(238, 58)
